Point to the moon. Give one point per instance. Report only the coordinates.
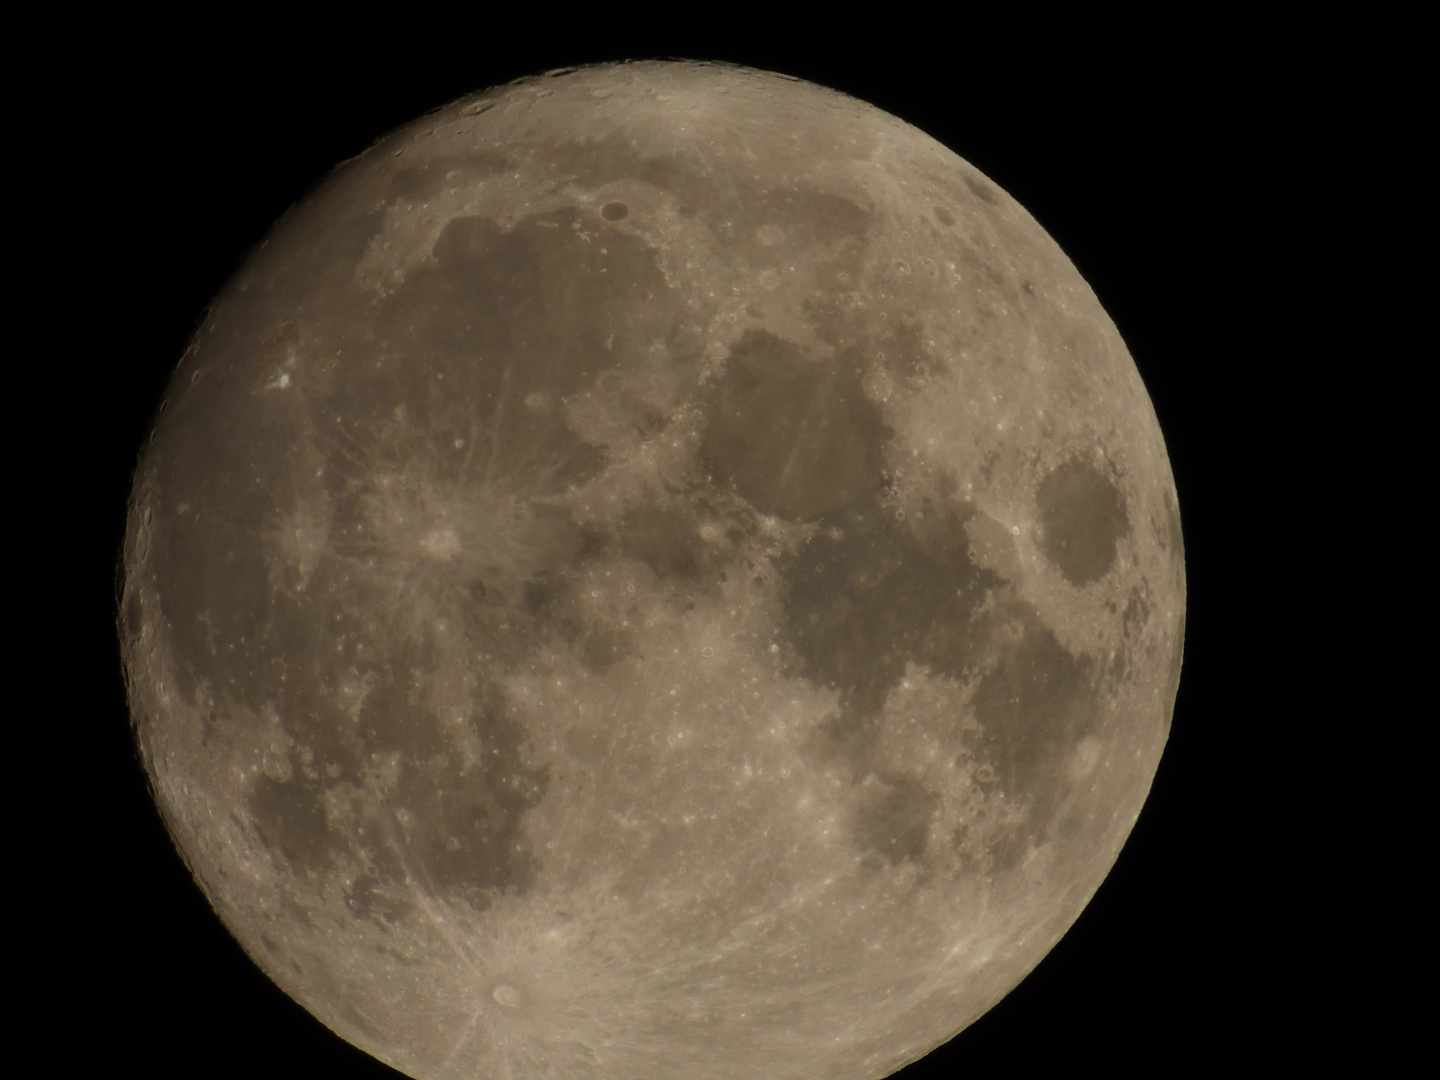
(658, 569)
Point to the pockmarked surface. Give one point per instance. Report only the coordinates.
(657, 571)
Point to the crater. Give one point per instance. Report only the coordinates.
(1082, 519)
(508, 996)
(614, 211)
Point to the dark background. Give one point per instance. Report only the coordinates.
(1202, 176)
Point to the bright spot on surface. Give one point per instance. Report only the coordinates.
(507, 995)
(442, 544)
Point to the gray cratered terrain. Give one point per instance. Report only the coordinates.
(657, 571)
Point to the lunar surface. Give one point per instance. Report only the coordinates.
(657, 570)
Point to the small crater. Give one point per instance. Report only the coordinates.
(878, 386)
(649, 421)
(944, 216)
(614, 211)
(508, 996)
(1085, 758)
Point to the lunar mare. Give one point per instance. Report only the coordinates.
(659, 570)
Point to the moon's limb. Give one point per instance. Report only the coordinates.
(664, 571)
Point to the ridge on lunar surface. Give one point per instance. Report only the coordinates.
(657, 571)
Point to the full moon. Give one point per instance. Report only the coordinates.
(654, 570)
